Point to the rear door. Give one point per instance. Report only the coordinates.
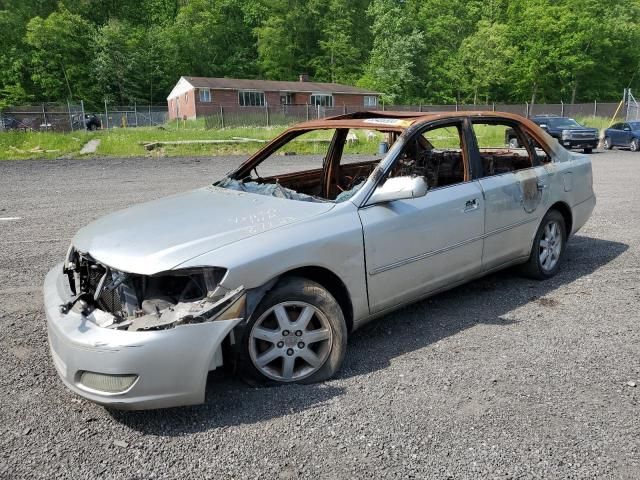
(513, 188)
(416, 246)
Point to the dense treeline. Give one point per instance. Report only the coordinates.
(429, 51)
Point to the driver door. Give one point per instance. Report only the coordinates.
(419, 245)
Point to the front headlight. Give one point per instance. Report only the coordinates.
(566, 134)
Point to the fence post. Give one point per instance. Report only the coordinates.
(456, 104)
(307, 112)
(106, 115)
(344, 109)
(135, 112)
(595, 108)
(383, 105)
(84, 124)
(70, 117)
(628, 103)
(526, 114)
(561, 108)
(266, 109)
(318, 111)
(221, 117)
(44, 118)
(493, 106)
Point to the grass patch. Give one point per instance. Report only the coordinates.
(22, 145)
(127, 142)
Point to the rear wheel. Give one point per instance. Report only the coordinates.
(588, 150)
(548, 247)
(607, 143)
(635, 145)
(296, 335)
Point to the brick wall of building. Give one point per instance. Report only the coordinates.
(192, 107)
(182, 106)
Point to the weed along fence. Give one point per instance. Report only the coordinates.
(279, 115)
(71, 117)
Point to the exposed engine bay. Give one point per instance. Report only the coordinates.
(133, 302)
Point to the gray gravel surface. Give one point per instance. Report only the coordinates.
(501, 378)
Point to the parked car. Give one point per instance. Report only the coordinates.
(271, 267)
(92, 122)
(569, 133)
(625, 135)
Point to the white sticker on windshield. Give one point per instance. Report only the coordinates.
(384, 121)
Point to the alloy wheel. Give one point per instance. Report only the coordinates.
(290, 341)
(550, 246)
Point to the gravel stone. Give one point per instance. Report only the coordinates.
(535, 372)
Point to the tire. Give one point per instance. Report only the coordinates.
(514, 143)
(588, 150)
(274, 350)
(607, 145)
(635, 145)
(541, 267)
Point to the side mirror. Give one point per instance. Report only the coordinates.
(627, 129)
(399, 188)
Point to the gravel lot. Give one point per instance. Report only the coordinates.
(501, 378)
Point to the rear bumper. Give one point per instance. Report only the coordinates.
(171, 365)
(581, 213)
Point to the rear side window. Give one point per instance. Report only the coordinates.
(503, 148)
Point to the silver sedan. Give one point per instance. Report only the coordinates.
(269, 274)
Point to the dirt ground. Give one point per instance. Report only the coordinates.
(501, 378)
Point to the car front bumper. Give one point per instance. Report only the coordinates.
(171, 365)
(577, 144)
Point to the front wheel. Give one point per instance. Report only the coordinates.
(296, 335)
(548, 247)
(607, 144)
(635, 145)
(588, 150)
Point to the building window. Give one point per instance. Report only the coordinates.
(370, 101)
(286, 98)
(251, 99)
(186, 97)
(205, 94)
(321, 100)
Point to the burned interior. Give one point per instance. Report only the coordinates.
(438, 154)
(133, 302)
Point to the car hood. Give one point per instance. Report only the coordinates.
(160, 235)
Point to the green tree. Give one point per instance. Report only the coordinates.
(343, 51)
(61, 51)
(485, 60)
(213, 38)
(391, 69)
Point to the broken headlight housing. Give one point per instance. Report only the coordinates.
(129, 301)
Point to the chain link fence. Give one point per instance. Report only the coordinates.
(74, 116)
(281, 115)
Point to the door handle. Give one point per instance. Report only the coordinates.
(471, 205)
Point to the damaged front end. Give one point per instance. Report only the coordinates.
(124, 301)
(132, 341)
